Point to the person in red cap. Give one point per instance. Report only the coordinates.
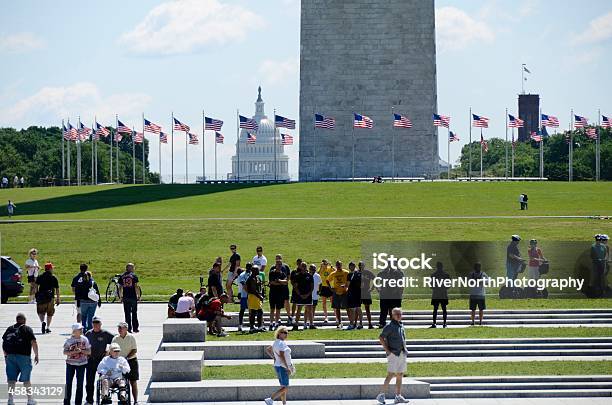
(47, 291)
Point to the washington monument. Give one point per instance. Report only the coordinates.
(370, 57)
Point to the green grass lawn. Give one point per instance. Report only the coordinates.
(476, 332)
(173, 254)
(433, 369)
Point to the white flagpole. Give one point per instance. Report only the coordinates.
(448, 153)
(91, 138)
(117, 157)
(63, 157)
(392, 146)
(216, 156)
(314, 148)
(571, 148)
(187, 157)
(598, 147)
(159, 143)
(353, 137)
(203, 146)
(541, 145)
(110, 148)
(275, 176)
(133, 156)
(506, 144)
(68, 163)
(470, 145)
(512, 152)
(172, 148)
(481, 139)
(78, 145)
(143, 151)
(238, 144)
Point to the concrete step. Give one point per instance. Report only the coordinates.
(524, 386)
(595, 340)
(478, 353)
(544, 393)
(511, 379)
(472, 347)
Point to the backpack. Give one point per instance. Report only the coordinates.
(12, 340)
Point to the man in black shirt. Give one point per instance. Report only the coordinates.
(47, 292)
(78, 281)
(292, 275)
(173, 301)
(215, 284)
(354, 297)
(129, 294)
(234, 264)
(390, 297)
(302, 288)
(18, 342)
(278, 279)
(98, 339)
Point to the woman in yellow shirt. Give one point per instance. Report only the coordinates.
(326, 292)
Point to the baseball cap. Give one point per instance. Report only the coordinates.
(48, 266)
(77, 326)
(122, 325)
(516, 237)
(604, 237)
(96, 319)
(114, 347)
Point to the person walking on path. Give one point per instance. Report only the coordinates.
(439, 293)
(127, 342)
(46, 295)
(76, 350)
(87, 296)
(477, 293)
(129, 295)
(99, 339)
(393, 340)
(18, 342)
(32, 269)
(281, 353)
(10, 207)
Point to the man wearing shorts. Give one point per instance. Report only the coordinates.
(477, 293)
(316, 279)
(32, 268)
(304, 285)
(18, 341)
(127, 342)
(234, 264)
(324, 271)
(278, 279)
(354, 298)
(241, 281)
(337, 280)
(393, 340)
(47, 293)
(439, 293)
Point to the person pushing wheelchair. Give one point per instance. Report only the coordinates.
(111, 372)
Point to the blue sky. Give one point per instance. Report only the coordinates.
(62, 59)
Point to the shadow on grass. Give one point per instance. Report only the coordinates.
(123, 196)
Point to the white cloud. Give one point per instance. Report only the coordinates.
(20, 42)
(599, 30)
(456, 29)
(275, 72)
(49, 105)
(183, 26)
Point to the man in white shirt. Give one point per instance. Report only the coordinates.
(185, 306)
(260, 260)
(32, 268)
(312, 269)
(111, 370)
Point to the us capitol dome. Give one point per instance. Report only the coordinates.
(256, 161)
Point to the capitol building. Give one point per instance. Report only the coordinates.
(255, 161)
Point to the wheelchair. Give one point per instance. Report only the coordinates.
(113, 390)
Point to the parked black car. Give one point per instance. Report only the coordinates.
(11, 279)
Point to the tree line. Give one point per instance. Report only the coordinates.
(36, 154)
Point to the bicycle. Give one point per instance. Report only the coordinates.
(112, 289)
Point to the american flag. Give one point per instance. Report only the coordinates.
(193, 139)
(480, 121)
(118, 137)
(65, 133)
(605, 122)
(287, 139)
(283, 122)
(400, 121)
(591, 132)
(362, 121)
(151, 127)
(322, 121)
(102, 130)
(138, 137)
(179, 126)
(251, 138)
(536, 137)
(452, 137)
(248, 123)
(514, 122)
(484, 144)
(211, 124)
(122, 128)
(549, 121)
(580, 122)
(218, 137)
(441, 121)
(163, 137)
(83, 132)
(73, 132)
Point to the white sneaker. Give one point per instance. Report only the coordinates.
(400, 400)
(381, 398)
(269, 401)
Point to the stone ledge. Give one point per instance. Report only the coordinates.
(177, 366)
(257, 349)
(256, 390)
(184, 330)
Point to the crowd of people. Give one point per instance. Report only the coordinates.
(17, 182)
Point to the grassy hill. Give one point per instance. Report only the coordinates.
(170, 254)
